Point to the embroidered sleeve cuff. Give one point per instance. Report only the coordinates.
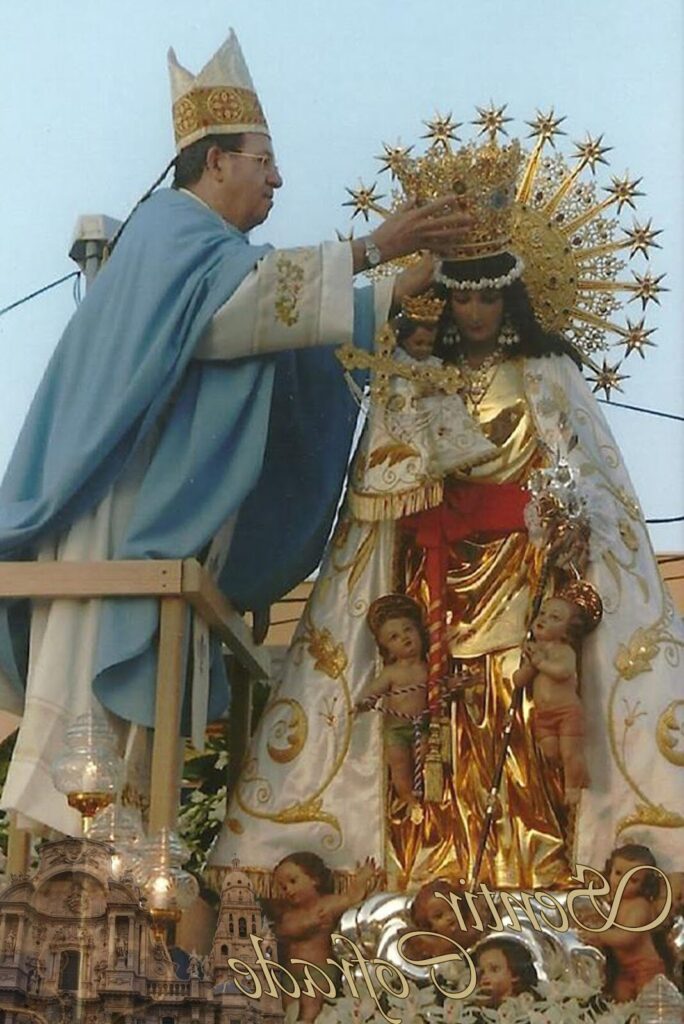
(295, 298)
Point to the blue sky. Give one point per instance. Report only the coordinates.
(85, 123)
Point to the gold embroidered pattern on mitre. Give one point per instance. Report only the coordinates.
(288, 289)
(213, 111)
(670, 733)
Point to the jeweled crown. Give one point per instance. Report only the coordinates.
(483, 176)
(586, 598)
(426, 308)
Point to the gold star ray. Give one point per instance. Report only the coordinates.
(442, 130)
(641, 238)
(647, 288)
(491, 120)
(364, 200)
(545, 127)
(636, 338)
(591, 152)
(393, 158)
(624, 191)
(607, 378)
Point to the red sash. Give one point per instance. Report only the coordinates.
(468, 509)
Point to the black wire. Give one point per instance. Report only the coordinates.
(638, 408)
(603, 401)
(53, 284)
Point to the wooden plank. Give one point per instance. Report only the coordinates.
(166, 749)
(48, 580)
(239, 722)
(203, 594)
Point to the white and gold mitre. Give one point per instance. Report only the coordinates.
(220, 100)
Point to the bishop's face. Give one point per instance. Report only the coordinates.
(249, 180)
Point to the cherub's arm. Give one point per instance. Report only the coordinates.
(526, 671)
(635, 913)
(555, 660)
(367, 876)
(380, 686)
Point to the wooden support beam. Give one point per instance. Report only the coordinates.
(50, 580)
(239, 723)
(165, 773)
(205, 597)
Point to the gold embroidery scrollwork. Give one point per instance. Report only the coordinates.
(637, 655)
(650, 814)
(307, 810)
(288, 289)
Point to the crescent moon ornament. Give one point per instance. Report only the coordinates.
(289, 733)
(670, 733)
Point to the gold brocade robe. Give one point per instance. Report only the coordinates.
(315, 779)
(489, 588)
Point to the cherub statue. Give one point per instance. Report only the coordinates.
(636, 956)
(549, 668)
(400, 690)
(306, 911)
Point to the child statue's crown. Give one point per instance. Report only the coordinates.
(586, 598)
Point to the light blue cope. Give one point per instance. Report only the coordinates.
(267, 436)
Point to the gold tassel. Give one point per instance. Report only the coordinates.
(433, 772)
(373, 507)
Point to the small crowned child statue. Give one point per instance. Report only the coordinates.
(549, 670)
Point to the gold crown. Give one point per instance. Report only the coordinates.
(426, 308)
(586, 598)
(565, 233)
(483, 176)
(393, 606)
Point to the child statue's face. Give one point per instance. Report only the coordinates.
(439, 916)
(419, 345)
(553, 620)
(400, 639)
(495, 978)
(619, 867)
(295, 885)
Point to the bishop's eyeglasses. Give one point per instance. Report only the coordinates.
(267, 161)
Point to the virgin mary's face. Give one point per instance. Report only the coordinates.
(477, 315)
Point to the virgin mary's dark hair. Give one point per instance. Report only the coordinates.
(534, 340)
